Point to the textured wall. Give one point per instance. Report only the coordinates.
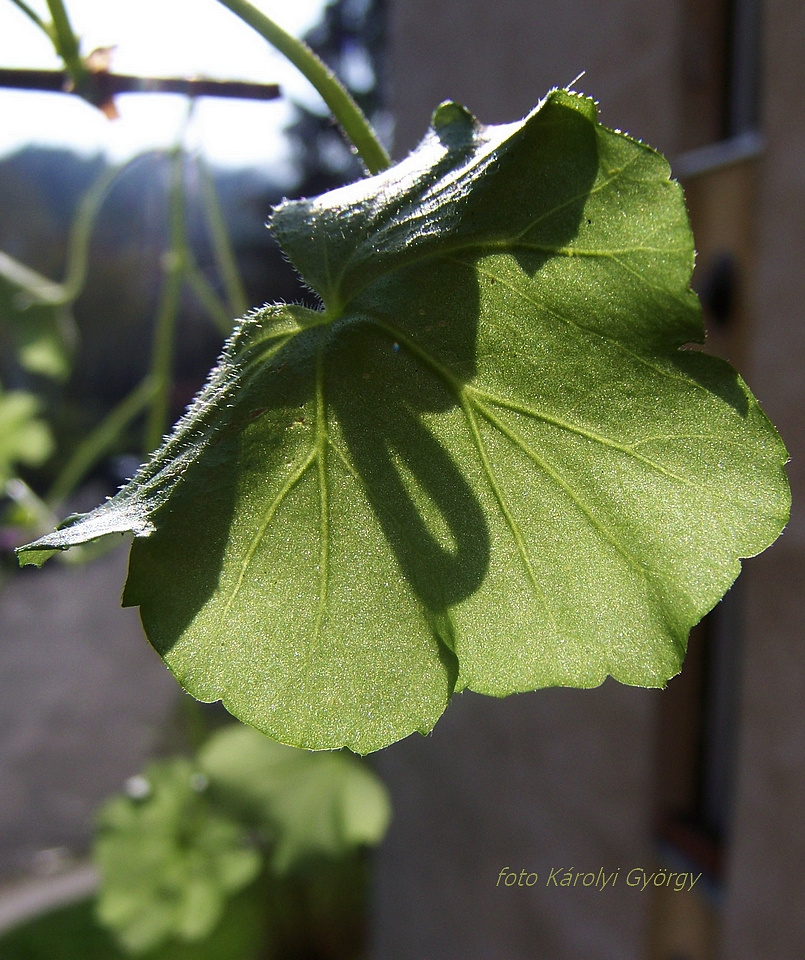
(84, 700)
(499, 58)
(555, 779)
(764, 916)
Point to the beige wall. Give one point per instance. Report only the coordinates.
(566, 777)
(500, 57)
(764, 910)
(556, 779)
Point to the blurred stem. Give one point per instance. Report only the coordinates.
(66, 42)
(222, 245)
(95, 446)
(209, 299)
(32, 15)
(40, 288)
(35, 510)
(348, 114)
(81, 232)
(174, 266)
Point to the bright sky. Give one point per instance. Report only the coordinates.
(158, 38)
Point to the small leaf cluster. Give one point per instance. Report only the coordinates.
(189, 837)
(36, 335)
(36, 322)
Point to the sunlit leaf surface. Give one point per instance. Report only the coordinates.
(485, 463)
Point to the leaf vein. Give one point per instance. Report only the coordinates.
(562, 318)
(268, 516)
(627, 449)
(604, 532)
(324, 500)
(516, 533)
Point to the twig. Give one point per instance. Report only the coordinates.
(103, 86)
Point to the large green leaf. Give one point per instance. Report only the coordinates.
(485, 463)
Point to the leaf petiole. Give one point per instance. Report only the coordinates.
(65, 41)
(32, 15)
(348, 114)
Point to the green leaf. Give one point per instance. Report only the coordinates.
(35, 319)
(486, 463)
(169, 860)
(188, 837)
(312, 804)
(24, 439)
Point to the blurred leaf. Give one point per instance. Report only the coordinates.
(24, 439)
(168, 860)
(314, 804)
(35, 319)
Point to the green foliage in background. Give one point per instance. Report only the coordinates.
(169, 861)
(249, 850)
(24, 436)
(35, 320)
(190, 836)
(307, 805)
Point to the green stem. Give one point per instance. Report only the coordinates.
(81, 232)
(222, 245)
(209, 299)
(348, 114)
(66, 42)
(34, 509)
(175, 264)
(98, 443)
(32, 15)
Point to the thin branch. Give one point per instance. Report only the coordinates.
(222, 245)
(209, 299)
(174, 269)
(107, 85)
(97, 444)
